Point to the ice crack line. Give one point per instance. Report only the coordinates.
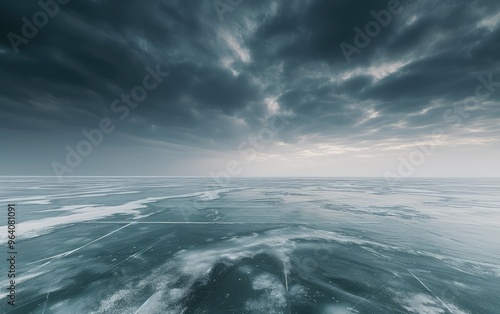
(427, 288)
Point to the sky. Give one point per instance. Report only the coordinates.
(230, 88)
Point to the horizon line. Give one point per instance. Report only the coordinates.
(242, 177)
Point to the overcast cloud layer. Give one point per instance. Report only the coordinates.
(232, 69)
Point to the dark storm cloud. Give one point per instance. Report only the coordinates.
(224, 73)
(441, 48)
(92, 52)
